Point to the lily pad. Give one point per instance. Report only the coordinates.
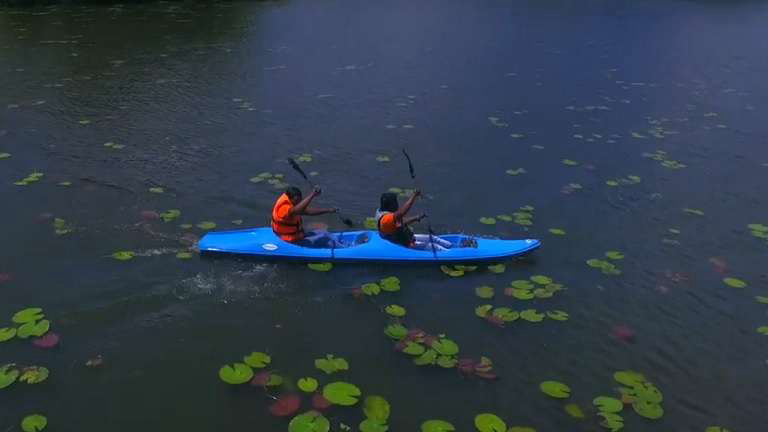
(437, 426)
(447, 362)
(531, 315)
(522, 284)
(762, 299)
(608, 404)
(428, 358)
(370, 289)
(484, 292)
(382, 158)
(7, 333)
(34, 375)
(184, 255)
(50, 340)
(370, 223)
(206, 225)
(629, 378)
(446, 347)
(341, 393)
(506, 314)
(376, 408)
(716, 429)
(574, 410)
(693, 211)
(647, 409)
(310, 421)
(558, 315)
(28, 315)
(612, 421)
(237, 373)
(515, 172)
(497, 268)
(452, 272)
(157, 190)
(648, 392)
(505, 218)
(488, 221)
(541, 280)
(170, 215)
(614, 255)
(307, 384)
(413, 348)
(257, 360)
(5, 155)
(395, 310)
(390, 284)
(734, 283)
(569, 162)
(123, 255)
(35, 329)
(555, 389)
(522, 294)
(763, 330)
(321, 267)
(488, 422)
(285, 405)
(369, 425)
(34, 423)
(557, 231)
(331, 364)
(8, 375)
(396, 331)
(483, 310)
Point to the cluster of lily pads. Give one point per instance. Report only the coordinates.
(371, 289)
(31, 323)
(758, 230)
(666, 162)
(11, 373)
(275, 180)
(539, 286)
(401, 192)
(304, 157)
(485, 422)
(61, 227)
(629, 180)
(457, 270)
(523, 216)
(607, 267)
(502, 315)
(32, 178)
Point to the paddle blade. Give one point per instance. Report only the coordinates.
(410, 165)
(298, 169)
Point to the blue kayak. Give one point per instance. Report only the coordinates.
(362, 246)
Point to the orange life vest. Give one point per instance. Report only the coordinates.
(287, 227)
(394, 231)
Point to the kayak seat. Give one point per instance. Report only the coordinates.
(362, 239)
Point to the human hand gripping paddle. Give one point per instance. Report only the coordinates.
(429, 225)
(346, 221)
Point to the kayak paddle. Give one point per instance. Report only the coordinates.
(429, 224)
(346, 221)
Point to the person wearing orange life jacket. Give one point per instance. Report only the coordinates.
(287, 223)
(394, 225)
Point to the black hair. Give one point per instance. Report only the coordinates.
(388, 202)
(293, 193)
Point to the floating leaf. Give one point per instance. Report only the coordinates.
(35, 329)
(762, 299)
(522, 284)
(648, 392)
(629, 378)
(557, 315)
(341, 393)
(331, 364)
(413, 348)
(8, 375)
(376, 408)
(395, 310)
(693, 211)
(734, 283)
(612, 421)
(518, 171)
(447, 362)
(505, 218)
(157, 190)
(310, 421)
(506, 314)
(7, 333)
(429, 357)
(608, 404)
(758, 228)
(34, 375)
(484, 292)
(238, 373)
(123, 255)
(285, 405)
(612, 183)
(488, 422)
(497, 268)
(5, 155)
(396, 331)
(258, 360)
(34, 423)
(170, 215)
(382, 158)
(369, 425)
(445, 346)
(50, 340)
(648, 409)
(531, 315)
(370, 223)
(541, 280)
(555, 389)
(452, 272)
(370, 289)
(390, 284)
(569, 162)
(614, 255)
(28, 315)
(206, 225)
(522, 294)
(437, 426)
(482, 311)
(488, 220)
(321, 267)
(763, 330)
(307, 384)
(574, 410)
(716, 429)
(184, 255)
(557, 231)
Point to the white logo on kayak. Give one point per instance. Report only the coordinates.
(269, 246)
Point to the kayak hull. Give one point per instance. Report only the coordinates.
(363, 246)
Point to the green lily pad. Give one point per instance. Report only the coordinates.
(497, 268)
(34, 423)
(522, 284)
(123, 255)
(321, 267)
(541, 280)
(157, 190)
(543, 293)
(5, 155)
(206, 225)
(693, 211)
(341, 393)
(310, 421)
(734, 283)
(716, 429)
(331, 364)
(518, 171)
(482, 311)
(7, 333)
(614, 255)
(370, 289)
(237, 221)
(557, 231)
(184, 255)
(369, 425)
(274, 380)
(505, 218)
(437, 426)
(390, 284)
(382, 158)
(452, 271)
(647, 409)
(237, 373)
(488, 221)
(574, 410)
(447, 362)
(446, 347)
(531, 315)
(558, 315)
(522, 294)
(608, 404)
(506, 314)
(8, 375)
(613, 183)
(648, 392)
(612, 421)
(28, 315)
(396, 331)
(34, 375)
(170, 215)
(555, 389)
(629, 378)
(370, 223)
(307, 384)
(569, 162)
(428, 358)
(758, 227)
(488, 422)
(595, 263)
(484, 292)
(395, 310)
(185, 226)
(376, 408)
(35, 329)
(64, 183)
(413, 348)
(762, 299)
(763, 330)
(257, 360)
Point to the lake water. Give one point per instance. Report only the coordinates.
(623, 114)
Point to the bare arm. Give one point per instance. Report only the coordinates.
(319, 211)
(405, 208)
(413, 219)
(301, 207)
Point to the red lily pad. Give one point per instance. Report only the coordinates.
(624, 334)
(50, 340)
(495, 320)
(149, 215)
(285, 405)
(319, 402)
(261, 379)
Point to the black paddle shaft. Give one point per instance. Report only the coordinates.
(295, 166)
(429, 224)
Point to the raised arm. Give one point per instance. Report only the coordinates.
(405, 208)
(301, 207)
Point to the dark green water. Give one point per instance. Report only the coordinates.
(204, 97)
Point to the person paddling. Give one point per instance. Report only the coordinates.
(287, 223)
(394, 225)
